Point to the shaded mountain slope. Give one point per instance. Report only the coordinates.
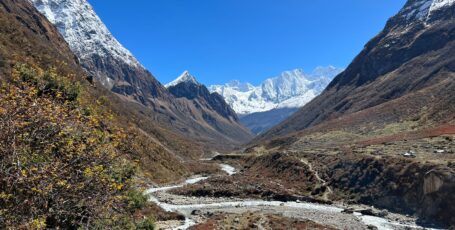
(208, 107)
(406, 73)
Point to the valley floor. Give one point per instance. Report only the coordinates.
(237, 212)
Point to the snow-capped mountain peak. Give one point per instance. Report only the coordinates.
(85, 33)
(76, 19)
(184, 77)
(291, 89)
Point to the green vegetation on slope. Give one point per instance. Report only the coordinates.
(61, 164)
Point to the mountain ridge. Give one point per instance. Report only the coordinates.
(291, 89)
(264, 106)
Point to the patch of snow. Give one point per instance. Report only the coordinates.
(292, 89)
(423, 9)
(195, 180)
(184, 77)
(228, 169)
(438, 4)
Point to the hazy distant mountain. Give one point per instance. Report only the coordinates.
(281, 94)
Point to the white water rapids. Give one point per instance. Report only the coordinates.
(380, 223)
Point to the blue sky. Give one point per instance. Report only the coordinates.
(248, 40)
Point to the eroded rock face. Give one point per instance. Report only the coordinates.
(432, 182)
(439, 196)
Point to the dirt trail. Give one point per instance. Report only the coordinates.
(329, 190)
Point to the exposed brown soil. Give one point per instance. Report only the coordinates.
(414, 135)
(203, 168)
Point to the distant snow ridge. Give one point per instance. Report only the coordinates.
(423, 9)
(292, 89)
(185, 77)
(84, 31)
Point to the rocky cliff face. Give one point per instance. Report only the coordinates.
(404, 72)
(30, 34)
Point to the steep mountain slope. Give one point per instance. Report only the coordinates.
(261, 107)
(209, 107)
(114, 66)
(405, 75)
(68, 159)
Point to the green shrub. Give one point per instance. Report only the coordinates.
(123, 171)
(60, 87)
(25, 73)
(136, 200)
(146, 224)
